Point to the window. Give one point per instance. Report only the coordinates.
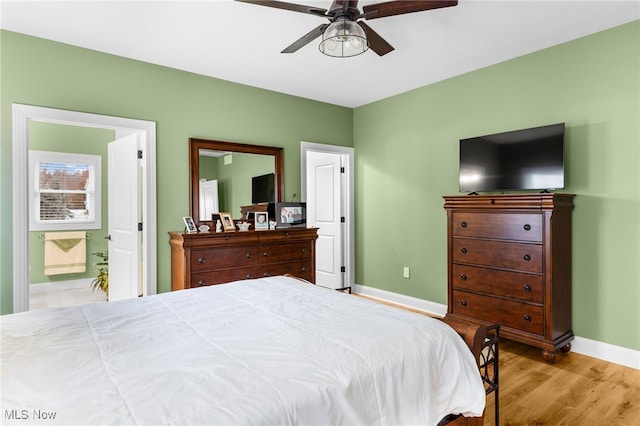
(65, 191)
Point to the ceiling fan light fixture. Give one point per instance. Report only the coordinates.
(344, 38)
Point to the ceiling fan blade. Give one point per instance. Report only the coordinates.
(376, 42)
(306, 39)
(288, 6)
(391, 8)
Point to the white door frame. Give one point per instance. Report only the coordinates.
(348, 195)
(146, 131)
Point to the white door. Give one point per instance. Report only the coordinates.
(208, 198)
(124, 215)
(324, 211)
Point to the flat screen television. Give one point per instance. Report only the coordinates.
(263, 188)
(527, 159)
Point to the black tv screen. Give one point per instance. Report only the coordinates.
(263, 188)
(516, 160)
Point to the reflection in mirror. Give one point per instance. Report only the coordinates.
(221, 175)
(225, 180)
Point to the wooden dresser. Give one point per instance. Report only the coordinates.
(509, 262)
(215, 258)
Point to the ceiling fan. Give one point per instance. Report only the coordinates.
(347, 34)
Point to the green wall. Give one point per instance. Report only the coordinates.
(79, 140)
(407, 158)
(45, 73)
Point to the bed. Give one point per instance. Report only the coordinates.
(271, 351)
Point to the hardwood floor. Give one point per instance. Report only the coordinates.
(577, 390)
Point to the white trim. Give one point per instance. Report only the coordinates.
(146, 131)
(432, 308)
(607, 352)
(348, 155)
(66, 284)
(581, 345)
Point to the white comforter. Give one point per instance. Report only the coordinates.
(274, 351)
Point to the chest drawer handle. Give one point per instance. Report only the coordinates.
(527, 227)
(527, 288)
(463, 277)
(303, 250)
(304, 269)
(266, 254)
(202, 282)
(527, 318)
(248, 276)
(463, 303)
(463, 250)
(463, 224)
(202, 260)
(249, 255)
(527, 257)
(266, 274)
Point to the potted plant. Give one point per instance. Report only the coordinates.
(101, 281)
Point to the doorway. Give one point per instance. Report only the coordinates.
(144, 137)
(335, 265)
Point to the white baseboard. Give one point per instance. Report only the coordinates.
(606, 352)
(67, 284)
(582, 345)
(433, 308)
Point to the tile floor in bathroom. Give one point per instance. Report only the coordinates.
(66, 293)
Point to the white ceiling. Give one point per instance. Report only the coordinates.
(241, 42)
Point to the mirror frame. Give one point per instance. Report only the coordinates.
(195, 145)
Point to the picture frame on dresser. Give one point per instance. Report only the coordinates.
(261, 221)
(190, 225)
(291, 214)
(227, 222)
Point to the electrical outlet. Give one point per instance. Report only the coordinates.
(405, 272)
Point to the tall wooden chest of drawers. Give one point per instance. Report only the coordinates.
(509, 262)
(215, 258)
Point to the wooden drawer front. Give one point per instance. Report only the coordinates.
(514, 285)
(221, 258)
(507, 313)
(300, 269)
(518, 256)
(224, 276)
(225, 238)
(501, 226)
(272, 253)
(284, 235)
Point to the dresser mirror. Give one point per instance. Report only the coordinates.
(222, 172)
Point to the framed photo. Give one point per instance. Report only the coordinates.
(262, 221)
(190, 225)
(227, 222)
(291, 214)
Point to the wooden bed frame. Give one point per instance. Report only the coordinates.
(483, 343)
